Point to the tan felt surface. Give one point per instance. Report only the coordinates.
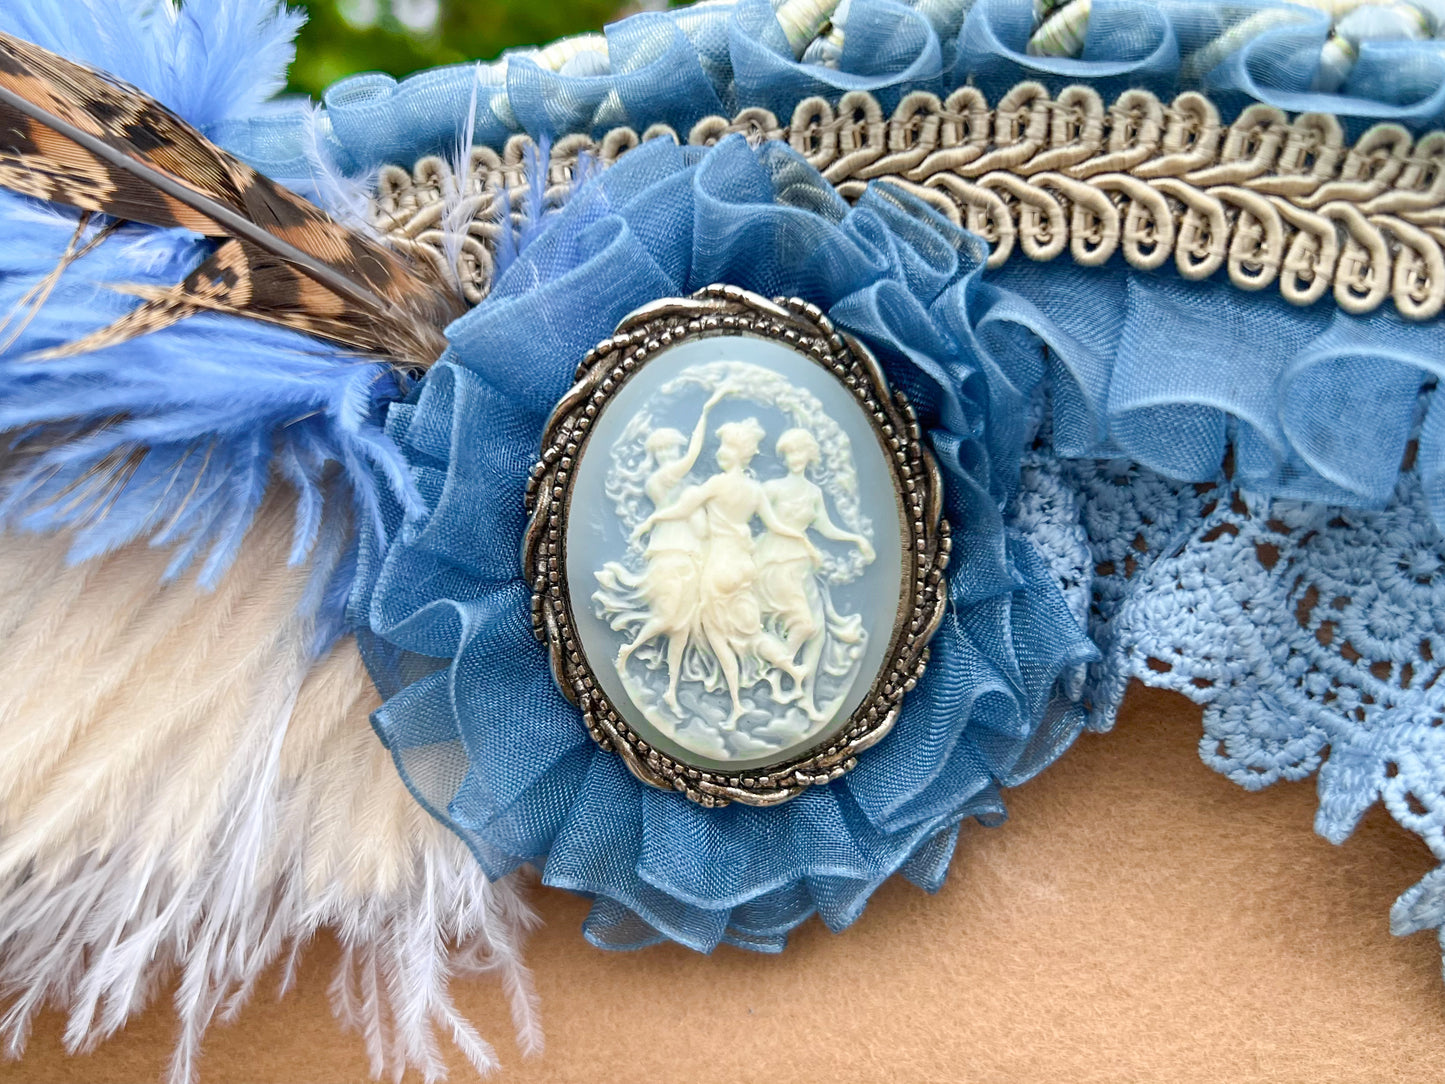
(1139, 919)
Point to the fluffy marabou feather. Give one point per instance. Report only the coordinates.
(345, 194)
(182, 790)
(523, 223)
(458, 202)
(214, 405)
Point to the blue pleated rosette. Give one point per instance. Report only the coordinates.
(474, 719)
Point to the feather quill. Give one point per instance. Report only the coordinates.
(175, 435)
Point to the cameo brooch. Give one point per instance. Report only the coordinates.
(736, 547)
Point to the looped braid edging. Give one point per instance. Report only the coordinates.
(1273, 201)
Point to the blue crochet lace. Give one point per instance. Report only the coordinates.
(1313, 635)
(1295, 597)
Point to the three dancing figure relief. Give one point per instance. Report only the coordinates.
(730, 598)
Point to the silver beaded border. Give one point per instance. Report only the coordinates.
(728, 310)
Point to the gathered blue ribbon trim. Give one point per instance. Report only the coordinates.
(478, 727)
(677, 67)
(1316, 404)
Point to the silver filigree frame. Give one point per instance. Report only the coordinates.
(716, 311)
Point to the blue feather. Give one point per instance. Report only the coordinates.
(526, 222)
(176, 436)
(210, 60)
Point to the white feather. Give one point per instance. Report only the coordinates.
(346, 196)
(183, 788)
(459, 203)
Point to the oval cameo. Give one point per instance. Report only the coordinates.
(736, 547)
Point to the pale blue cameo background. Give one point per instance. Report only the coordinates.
(704, 386)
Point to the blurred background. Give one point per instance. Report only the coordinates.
(342, 37)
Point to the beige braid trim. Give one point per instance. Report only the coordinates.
(1269, 199)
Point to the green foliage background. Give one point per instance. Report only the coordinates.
(332, 45)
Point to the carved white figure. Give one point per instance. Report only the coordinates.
(669, 584)
(788, 585)
(729, 610)
(724, 591)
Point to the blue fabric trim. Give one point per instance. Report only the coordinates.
(1316, 404)
(679, 66)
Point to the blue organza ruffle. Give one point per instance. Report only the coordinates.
(1146, 365)
(474, 719)
(677, 67)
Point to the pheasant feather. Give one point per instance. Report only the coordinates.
(74, 136)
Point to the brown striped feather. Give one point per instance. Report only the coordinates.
(287, 262)
(237, 280)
